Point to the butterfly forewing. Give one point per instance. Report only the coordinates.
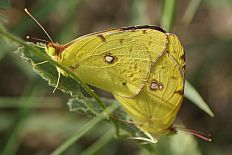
(118, 61)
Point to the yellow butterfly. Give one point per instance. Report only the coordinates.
(142, 66)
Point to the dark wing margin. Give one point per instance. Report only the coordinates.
(143, 27)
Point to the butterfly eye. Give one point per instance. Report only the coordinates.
(109, 58)
(51, 51)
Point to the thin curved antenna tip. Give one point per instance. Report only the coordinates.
(25, 9)
(196, 133)
(37, 39)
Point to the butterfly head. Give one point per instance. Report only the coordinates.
(50, 50)
(54, 50)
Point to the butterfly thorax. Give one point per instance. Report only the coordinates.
(54, 50)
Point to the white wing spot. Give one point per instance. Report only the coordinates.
(109, 58)
(161, 86)
(155, 85)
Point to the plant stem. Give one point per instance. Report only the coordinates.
(168, 14)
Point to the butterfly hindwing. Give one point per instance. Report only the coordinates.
(155, 107)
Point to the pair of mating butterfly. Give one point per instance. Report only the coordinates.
(142, 66)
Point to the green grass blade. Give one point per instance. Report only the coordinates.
(192, 94)
(14, 140)
(83, 130)
(15, 102)
(168, 14)
(99, 144)
(4, 4)
(137, 11)
(191, 11)
(43, 9)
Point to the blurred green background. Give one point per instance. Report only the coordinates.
(34, 121)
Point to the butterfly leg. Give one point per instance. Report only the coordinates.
(146, 140)
(39, 63)
(57, 83)
(58, 79)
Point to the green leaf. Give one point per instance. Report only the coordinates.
(49, 72)
(4, 4)
(42, 65)
(118, 116)
(192, 94)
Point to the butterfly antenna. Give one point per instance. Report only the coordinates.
(37, 39)
(196, 133)
(121, 120)
(57, 83)
(38, 24)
